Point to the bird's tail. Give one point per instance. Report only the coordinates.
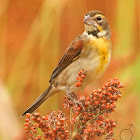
(38, 101)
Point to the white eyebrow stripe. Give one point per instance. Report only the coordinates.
(102, 16)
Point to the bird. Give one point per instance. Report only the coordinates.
(90, 51)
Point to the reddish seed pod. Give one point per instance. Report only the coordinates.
(77, 78)
(80, 79)
(89, 130)
(111, 131)
(94, 98)
(111, 106)
(107, 107)
(26, 124)
(99, 90)
(110, 97)
(100, 95)
(92, 134)
(28, 115)
(101, 122)
(113, 124)
(54, 129)
(59, 111)
(98, 102)
(31, 128)
(95, 93)
(98, 130)
(119, 95)
(111, 120)
(115, 97)
(106, 115)
(90, 102)
(106, 127)
(103, 106)
(107, 104)
(82, 76)
(95, 103)
(35, 125)
(118, 82)
(86, 104)
(108, 93)
(27, 119)
(58, 123)
(30, 135)
(77, 85)
(43, 117)
(114, 89)
(100, 117)
(103, 87)
(39, 137)
(109, 125)
(26, 128)
(103, 132)
(103, 101)
(107, 120)
(34, 131)
(88, 98)
(106, 85)
(33, 118)
(66, 131)
(78, 108)
(37, 114)
(95, 130)
(79, 73)
(77, 113)
(38, 119)
(63, 119)
(104, 92)
(62, 136)
(97, 121)
(59, 133)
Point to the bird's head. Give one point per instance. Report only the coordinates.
(97, 24)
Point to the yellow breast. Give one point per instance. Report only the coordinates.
(101, 47)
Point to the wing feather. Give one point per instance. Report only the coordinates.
(71, 54)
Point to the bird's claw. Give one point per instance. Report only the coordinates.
(77, 102)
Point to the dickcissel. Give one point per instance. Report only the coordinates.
(90, 51)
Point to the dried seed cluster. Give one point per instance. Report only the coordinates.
(53, 126)
(91, 121)
(31, 128)
(80, 78)
(87, 121)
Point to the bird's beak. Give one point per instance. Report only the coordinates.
(89, 21)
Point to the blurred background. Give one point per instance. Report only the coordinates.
(34, 35)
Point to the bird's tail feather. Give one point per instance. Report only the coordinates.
(38, 101)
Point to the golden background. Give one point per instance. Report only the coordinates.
(34, 35)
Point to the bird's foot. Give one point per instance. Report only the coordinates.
(78, 102)
(71, 96)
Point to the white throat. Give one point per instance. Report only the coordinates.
(103, 33)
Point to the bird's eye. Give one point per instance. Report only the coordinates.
(99, 18)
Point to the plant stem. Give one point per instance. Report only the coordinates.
(70, 122)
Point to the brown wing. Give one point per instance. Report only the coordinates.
(70, 55)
